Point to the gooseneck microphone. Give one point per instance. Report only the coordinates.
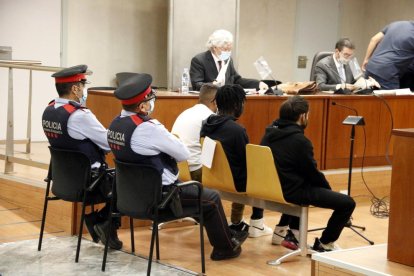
(347, 107)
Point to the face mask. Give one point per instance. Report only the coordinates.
(225, 55)
(343, 60)
(82, 100)
(152, 106)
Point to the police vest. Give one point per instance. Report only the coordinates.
(55, 126)
(119, 139)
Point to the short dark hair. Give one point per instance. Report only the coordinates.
(292, 108)
(344, 42)
(230, 99)
(64, 87)
(207, 93)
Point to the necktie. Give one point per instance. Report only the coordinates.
(219, 64)
(342, 73)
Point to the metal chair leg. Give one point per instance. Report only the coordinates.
(131, 226)
(80, 229)
(154, 233)
(42, 227)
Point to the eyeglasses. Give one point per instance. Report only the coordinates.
(151, 95)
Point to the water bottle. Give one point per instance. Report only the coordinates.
(185, 81)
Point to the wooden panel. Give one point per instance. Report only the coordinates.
(401, 202)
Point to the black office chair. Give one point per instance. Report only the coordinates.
(318, 56)
(122, 76)
(70, 174)
(138, 190)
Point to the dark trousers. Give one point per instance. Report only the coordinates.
(342, 205)
(215, 221)
(237, 210)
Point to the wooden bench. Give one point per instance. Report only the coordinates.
(263, 189)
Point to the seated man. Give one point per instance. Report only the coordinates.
(81, 131)
(233, 137)
(333, 72)
(188, 125)
(302, 183)
(147, 141)
(216, 66)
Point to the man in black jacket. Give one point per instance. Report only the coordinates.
(302, 183)
(233, 137)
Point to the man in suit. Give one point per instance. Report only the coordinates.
(333, 72)
(206, 66)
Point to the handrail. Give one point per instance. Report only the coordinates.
(31, 65)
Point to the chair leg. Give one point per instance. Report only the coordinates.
(42, 227)
(203, 259)
(107, 243)
(154, 233)
(131, 226)
(80, 229)
(157, 243)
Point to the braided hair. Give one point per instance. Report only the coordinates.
(230, 100)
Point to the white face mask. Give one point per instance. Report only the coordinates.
(82, 100)
(152, 106)
(225, 55)
(342, 60)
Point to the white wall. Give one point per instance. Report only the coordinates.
(32, 29)
(117, 36)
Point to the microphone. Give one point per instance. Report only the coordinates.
(347, 107)
(340, 90)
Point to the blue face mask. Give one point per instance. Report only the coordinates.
(82, 100)
(225, 55)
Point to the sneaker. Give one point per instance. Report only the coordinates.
(239, 227)
(290, 241)
(258, 228)
(321, 247)
(102, 228)
(279, 234)
(238, 238)
(90, 221)
(219, 255)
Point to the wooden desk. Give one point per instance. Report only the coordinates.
(329, 137)
(401, 222)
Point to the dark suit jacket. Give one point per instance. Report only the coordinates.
(327, 76)
(203, 70)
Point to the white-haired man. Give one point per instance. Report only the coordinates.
(206, 66)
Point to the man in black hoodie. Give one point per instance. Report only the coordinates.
(233, 137)
(302, 182)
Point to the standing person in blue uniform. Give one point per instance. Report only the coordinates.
(205, 67)
(233, 137)
(81, 131)
(302, 182)
(390, 56)
(146, 141)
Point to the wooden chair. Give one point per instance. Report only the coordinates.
(219, 176)
(264, 187)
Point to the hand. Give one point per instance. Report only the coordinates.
(364, 65)
(263, 86)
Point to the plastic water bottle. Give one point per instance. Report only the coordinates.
(185, 81)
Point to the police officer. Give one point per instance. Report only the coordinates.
(135, 137)
(69, 125)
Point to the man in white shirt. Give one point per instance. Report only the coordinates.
(187, 126)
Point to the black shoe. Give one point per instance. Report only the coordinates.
(114, 242)
(290, 241)
(219, 255)
(320, 247)
(238, 238)
(241, 226)
(90, 221)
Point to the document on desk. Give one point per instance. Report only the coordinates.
(207, 152)
(398, 92)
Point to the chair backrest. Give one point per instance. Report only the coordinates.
(138, 189)
(318, 56)
(184, 171)
(219, 176)
(71, 174)
(122, 76)
(262, 178)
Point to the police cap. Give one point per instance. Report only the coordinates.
(134, 89)
(72, 74)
